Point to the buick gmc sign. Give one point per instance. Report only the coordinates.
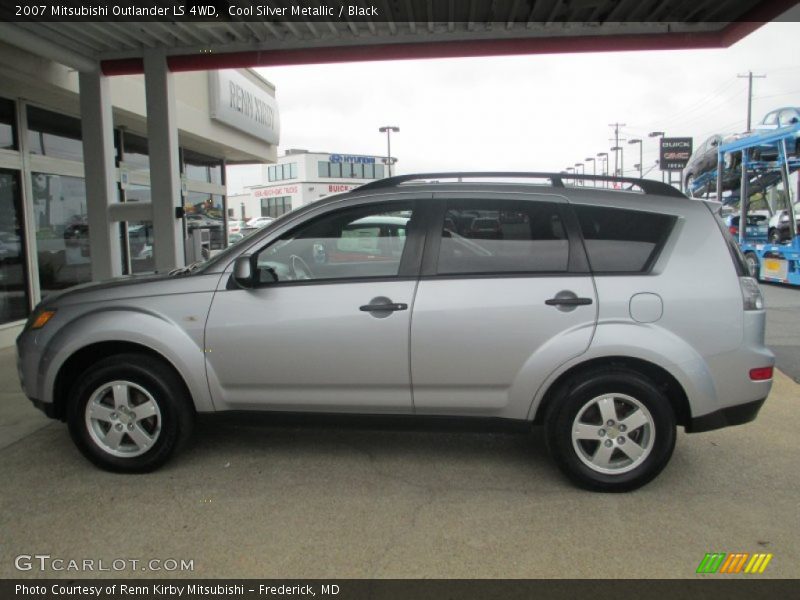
(674, 153)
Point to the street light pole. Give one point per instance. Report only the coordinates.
(594, 167)
(638, 141)
(604, 157)
(583, 170)
(388, 129)
(657, 134)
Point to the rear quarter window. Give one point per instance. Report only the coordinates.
(621, 240)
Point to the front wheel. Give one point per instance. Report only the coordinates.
(129, 413)
(612, 430)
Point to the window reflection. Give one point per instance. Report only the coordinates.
(54, 134)
(62, 231)
(206, 211)
(8, 140)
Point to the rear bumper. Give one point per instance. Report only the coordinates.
(725, 417)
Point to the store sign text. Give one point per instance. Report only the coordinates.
(239, 103)
(279, 191)
(348, 158)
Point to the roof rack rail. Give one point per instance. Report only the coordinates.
(648, 186)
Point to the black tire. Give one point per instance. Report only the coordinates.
(575, 396)
(174, 423)
(774, 236)
(752, 263)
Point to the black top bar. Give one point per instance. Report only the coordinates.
(648, 186)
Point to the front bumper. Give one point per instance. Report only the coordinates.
(725, 417)
(47, 408)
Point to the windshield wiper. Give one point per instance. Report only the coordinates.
(186, 269)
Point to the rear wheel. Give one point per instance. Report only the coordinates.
(612, 430)
(129, 413)
(752, 263)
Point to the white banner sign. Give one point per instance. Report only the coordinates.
(240, 103)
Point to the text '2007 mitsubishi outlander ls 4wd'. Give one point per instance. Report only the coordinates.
(610, 317)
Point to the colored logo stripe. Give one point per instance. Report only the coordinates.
(758, 563)
(733, 563)
(711, 562)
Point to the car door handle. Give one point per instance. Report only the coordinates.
(388, 307)
(568, 301)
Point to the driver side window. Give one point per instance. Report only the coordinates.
(360, 242)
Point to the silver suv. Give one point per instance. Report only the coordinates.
(610, 317)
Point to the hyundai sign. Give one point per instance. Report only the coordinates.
(349, 158)
(674, 153)
(241, 104)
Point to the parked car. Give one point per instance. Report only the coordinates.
(587, 316)
(755, 230)
(779, 229)
(235, 226)
(777, 119)
(259, 221)
(705, 159)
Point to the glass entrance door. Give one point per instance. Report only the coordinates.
(13, 282)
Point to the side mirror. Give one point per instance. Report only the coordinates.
(243, 272)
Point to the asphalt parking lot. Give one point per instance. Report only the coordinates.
(248, 500)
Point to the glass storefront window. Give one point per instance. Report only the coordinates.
(199, 167)
(349, 170)
(140, 246)
(62, 231)
(275, 207)
(8, 138)
(206, 211)
(13, 280)
(54, 134)
(282, 172)
(136, 155)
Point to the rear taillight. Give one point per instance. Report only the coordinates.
(751, 294)
(734, 230)
(761, 373)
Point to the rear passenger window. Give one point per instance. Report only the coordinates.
(622, 241)
(502, 236)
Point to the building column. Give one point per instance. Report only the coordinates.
(165, 178)
(97, 125)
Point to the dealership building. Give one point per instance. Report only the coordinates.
(53, 232)
(301, 177)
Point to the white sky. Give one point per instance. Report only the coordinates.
(533, 113)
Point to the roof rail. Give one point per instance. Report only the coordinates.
(648, 186)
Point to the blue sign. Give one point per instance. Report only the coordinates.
(349, 158)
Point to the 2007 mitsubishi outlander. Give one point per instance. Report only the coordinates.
(609, 316)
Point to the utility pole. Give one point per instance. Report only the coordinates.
(750, 78)
(616, 127)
